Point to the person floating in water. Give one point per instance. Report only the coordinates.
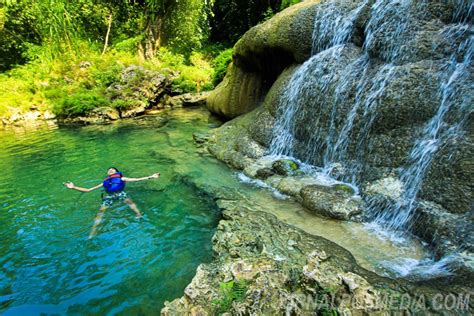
(114, 186)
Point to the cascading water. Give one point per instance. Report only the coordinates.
(325, 35)
(328, 44)
(303, 128)
(436, 132)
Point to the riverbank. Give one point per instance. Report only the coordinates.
(105, 114)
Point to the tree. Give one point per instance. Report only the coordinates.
(16, 33)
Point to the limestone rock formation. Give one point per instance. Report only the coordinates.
(260, 56)
(263, 266)
(368, 91)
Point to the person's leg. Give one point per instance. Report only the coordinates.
(133, 206)
(97, 220)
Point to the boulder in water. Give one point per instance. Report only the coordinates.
(187, 99)
(264, 173)
(285, 167)
(331, 201)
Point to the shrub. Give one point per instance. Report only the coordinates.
(129, 45)
(220, 63)
(79, 103)
(125, 104)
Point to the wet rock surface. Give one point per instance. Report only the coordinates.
(331, 201)
(138, 87)
(264, 266)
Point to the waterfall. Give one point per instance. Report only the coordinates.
(332, 30)
(302, 83)
(436, 132)
(333, 26)
(303, 128)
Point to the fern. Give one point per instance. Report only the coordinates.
(229, 292)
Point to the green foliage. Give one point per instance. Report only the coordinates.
(129, 45)
(229, 292)
(80, 103)
(74, 84)
(220, 64)
(59, 45)
(193, 74)
(3, 18)
(16, 32)
(328, 312)
(185, 27)
(124, 104)
(287, 3)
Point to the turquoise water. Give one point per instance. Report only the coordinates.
(47, 265)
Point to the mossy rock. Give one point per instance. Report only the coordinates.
(285, 167)
(264, 173)
(344, 188)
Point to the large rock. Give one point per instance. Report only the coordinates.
(137, 89)
(260, 56)
(239, 93)
(448, 233)
(335, 201)
(188, 99)
(262, 266)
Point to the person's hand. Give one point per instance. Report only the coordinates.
(69, 185)
(155, 175)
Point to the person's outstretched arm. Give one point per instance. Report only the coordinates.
(153, 176)
(71, 185)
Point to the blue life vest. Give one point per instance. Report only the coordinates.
(114, 183)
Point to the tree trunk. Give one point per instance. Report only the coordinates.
(152, 41)
(107, 35)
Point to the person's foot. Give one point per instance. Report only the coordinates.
(91, 235)
(138, 216)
